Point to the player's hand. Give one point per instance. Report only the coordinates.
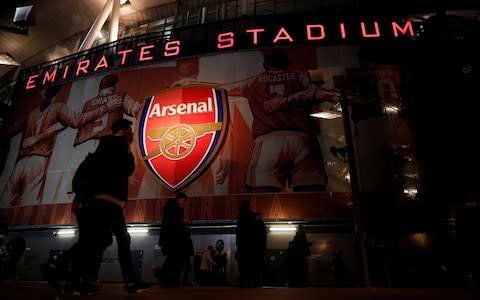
(115, 103)
(274, 104)
(30, 141)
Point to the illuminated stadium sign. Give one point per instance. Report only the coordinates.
(187, 43)
(180, 132)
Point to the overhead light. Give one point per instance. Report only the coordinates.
(391, 109)
(410, 192)
(137, 230)
(213, 226)
(66, 232)
(283, 228)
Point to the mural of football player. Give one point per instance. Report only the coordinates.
(286, 153)
(106, 93)
(39, 130)
(87, 136)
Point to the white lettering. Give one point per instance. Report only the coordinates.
(155, 111)
(181, 109)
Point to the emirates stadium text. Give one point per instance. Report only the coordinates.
(225, 40)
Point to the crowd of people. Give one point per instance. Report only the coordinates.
(101, 216)
(79, 265)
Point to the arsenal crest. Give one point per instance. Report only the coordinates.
(180, 132)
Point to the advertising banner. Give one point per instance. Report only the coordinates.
(230, 126)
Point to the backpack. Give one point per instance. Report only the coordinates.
(84, 180)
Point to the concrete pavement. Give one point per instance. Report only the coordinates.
(23, 290)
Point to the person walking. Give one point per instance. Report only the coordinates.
(220, 259)
(15, 249)
(246, 225)
(188, 251)
(206, 267)
(104, 213)
(338, 267)
(301, 250)
(260, 245)
(173, 241)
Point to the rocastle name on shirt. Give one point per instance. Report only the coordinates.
(278, 77)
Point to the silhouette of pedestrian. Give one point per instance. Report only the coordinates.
(172, 240)
(301, 250)
(206, 266)
(338, 267)
(14, 249)
(290, 264)
(260, 245)
(104, 213)
(188, 251)
(220, 259)
(246, 226)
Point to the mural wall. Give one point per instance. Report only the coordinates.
(272, 149)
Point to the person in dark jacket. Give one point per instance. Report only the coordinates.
(15, 249)
(260, 245)
(105, 211)
(174, 241)
(301, 250)
(338, 267)
(220, 259)
(245, 231)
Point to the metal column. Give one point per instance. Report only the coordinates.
(96, 26)
(114, 21)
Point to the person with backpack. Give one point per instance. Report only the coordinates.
(101, 198)
(115, 163)
(74, 265)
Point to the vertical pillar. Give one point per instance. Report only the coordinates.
(203, 16)
(114, 21)
(96, 26)
(244, 7)
(352, 165)
(222, 11)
